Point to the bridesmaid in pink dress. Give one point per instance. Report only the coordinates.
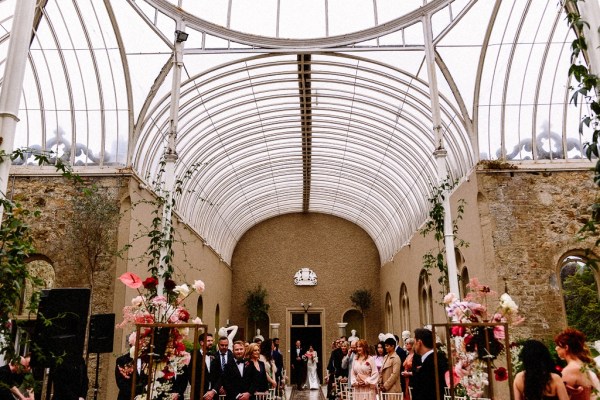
(364, 373)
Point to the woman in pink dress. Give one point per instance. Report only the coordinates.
(364, 373)
(407, 372)
(580, 374)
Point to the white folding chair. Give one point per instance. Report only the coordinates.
(446, 390)
(392, 396)
(222, 396)
(271, 394)
(361, 396)
(261, 396)
(346, 395)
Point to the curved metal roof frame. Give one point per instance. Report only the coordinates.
(371, 146)
(303, 125)
(429, 7)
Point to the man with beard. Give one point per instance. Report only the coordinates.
(235, 380)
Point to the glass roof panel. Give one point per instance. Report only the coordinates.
(250, 105)
(246, 14)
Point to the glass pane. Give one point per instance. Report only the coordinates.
(314, 319)
(298, 319)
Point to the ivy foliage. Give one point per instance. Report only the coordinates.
(582, 303)
(586, 89)
(580, 288)
(435, 259)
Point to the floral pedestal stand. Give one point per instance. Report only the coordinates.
(472, 349)
(158, 347)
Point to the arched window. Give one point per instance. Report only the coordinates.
(404, 309)
(389, 313)
(425, 299)
(580, 293)
(262, 325)
(354, 318)
(41, 269)
(200, 308)
(464, 281)
(217, 318)
(460, 267)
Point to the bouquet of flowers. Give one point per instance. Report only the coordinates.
(161, 347)
(474, 346)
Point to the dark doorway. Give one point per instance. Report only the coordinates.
(308, 336)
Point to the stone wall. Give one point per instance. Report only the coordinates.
(530, 220)
(519, 224)
(53, 196)
(54, 240)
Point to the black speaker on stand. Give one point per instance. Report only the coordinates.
(100, 340)
(60, 328)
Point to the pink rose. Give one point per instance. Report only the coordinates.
(198, 286)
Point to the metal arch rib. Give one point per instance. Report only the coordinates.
(268, 42)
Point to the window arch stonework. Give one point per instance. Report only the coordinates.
(404, 308)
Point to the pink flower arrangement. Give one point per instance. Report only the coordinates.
(151, 307)
(475, 346)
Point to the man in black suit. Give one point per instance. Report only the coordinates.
(222, 358)
(235, 379)
(400, 350)
(202, 361)
(298, 364)
(424, 387)
(278, 359)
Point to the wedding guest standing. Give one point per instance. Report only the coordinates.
(364, 373)
(379, 355)
(389, 379)
(537, 381)
(408, 367)
(256, 371)
(580, 371)
(235, 380)
(424, 386)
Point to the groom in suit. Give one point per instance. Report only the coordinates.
(424, 376)
(235, 379)
(298, 364)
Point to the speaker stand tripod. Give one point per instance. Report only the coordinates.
(96, 382)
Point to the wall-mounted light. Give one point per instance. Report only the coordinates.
(306, 306)
(181, 36)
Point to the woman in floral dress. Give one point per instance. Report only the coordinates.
(364, 373)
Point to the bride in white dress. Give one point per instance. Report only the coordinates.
(312, 379)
